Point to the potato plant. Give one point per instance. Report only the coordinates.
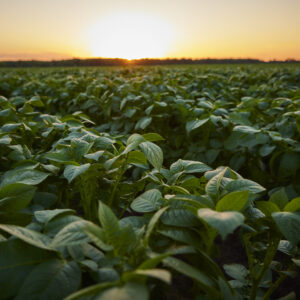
(118, 183)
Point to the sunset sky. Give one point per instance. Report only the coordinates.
(56, 29)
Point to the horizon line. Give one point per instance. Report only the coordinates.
(147, 58)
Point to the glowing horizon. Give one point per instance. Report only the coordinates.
(196, 29)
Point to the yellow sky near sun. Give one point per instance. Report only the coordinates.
(55, 29)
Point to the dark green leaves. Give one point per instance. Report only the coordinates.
(71, 171)
(15, 196)
(223, 222)
(148, 201)
(289, 225)
(235, 201)
(30, 177)
(53, 279)
(153, 154)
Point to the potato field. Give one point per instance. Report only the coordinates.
(155, 183)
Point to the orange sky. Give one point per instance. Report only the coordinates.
(56, 29)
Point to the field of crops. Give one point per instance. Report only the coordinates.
(150, 183)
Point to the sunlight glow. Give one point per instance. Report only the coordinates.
(131, 36)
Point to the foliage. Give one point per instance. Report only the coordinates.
(114, 182)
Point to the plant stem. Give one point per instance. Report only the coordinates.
(271, 290)
(112, 196)
(270, 253)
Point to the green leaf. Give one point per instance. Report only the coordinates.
(293, 205)
(182, 235)
(194, 124)
(160, 274)
(17, 260)
(15, 196)
(279, 198)
(189, 166)
(129, 291)
(30, 177)
(246, 129)
(153, 137)
(223, 222)
(205, 282)
(35, 101)
(136, 157)
(5, 140)
(236, 271)
(234, 201)
(143, 123)
(153, 222)
(180, 217)
(95, 156)
(147, 202)
(70, 235)
(289, 225)
(110, 224)
(97, 236)
(267, 207)
(45, 216)
(244, 185)
(71, 172)
(54, 279)
(79, 148)
(29, 236)
(91, 290)
(153, 154)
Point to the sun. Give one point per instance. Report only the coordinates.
(131, 35)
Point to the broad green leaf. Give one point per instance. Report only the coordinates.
(132, 142)
(152, 137)
(293, 205)
(160, 274)
(180, 217)
(5, 140)
(279, 198)
(244, 185)
(91, 290)
(246, 129)
(236, 271)
(29, 236)
(45, 216)
(61, 156)
(189, 166)
(71, 172)
(95, 156)
(234, 201)
(136, 157)
(194, 124)
(72, 234)
(17, 260)
(267, 207)
(53, 279)
(30, 177)
(97, 236)
(153, 154)
(16, 196)
(205, 282)
(289, 225)
(110, 224)
(223, 222)
(130, 290)
(182, 235)
(143, 123)
(147, 202)
(153, 222)
(79, 148)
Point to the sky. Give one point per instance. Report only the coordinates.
(58, 29)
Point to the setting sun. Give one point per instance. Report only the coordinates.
(131, 36)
